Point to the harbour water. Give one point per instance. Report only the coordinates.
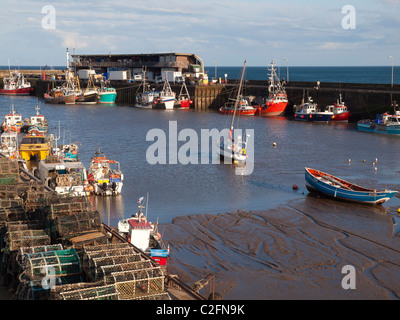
(206, 192)
(178, 189)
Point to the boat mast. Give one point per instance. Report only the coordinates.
(238, 95)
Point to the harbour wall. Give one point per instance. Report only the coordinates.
(363, 100)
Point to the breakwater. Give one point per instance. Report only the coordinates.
(363, 100)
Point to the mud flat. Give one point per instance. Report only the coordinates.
(295, 251)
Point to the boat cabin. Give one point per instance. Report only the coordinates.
(139, 232)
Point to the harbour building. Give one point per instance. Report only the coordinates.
(127, 66)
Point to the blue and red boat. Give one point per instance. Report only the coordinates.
(331, 186)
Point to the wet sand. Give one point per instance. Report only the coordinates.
(295, 251)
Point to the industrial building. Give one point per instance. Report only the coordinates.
(155, 64)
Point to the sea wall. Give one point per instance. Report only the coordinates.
(363, 100)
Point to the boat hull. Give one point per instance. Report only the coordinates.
(88, 98)
(367, 196)
(313, 117)
(341, 117)
(369, 126)
(272, 109)
(69, 99)
(107, 97)
(17, 92)
(244, 112)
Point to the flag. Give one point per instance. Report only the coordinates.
(140, 200)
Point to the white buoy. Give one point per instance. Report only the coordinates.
(274, 144)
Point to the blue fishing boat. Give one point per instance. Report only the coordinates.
(321, 182)
(106, 94)
(383, 123)
(309, 112)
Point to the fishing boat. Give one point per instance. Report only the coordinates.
(234, 149)
(340, 111)
(35, 146)
(12, 121)
(106, 94)
(64, 177)
(147, 97)
(383, 123)
(309, 112)
(166, 98)
(105, 175)
(144, 235)
(277, 100)
(320, 182)
(243, 108)
(9, 144)
(183, 101)
(16, 85)
(87, 95)
(38, 123)
(65, 94)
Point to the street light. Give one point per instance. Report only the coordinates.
(287, 69)
(390, 57)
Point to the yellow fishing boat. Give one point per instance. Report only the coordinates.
(35, 147)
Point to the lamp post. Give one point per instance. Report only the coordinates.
(287, 69)
(390, 57)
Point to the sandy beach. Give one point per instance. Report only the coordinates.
(291, 252)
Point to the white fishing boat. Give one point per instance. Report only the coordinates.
(105, 175)
(234, 149)
(9, 144)
(144, 235)
(64, 177)
(12, 121)
(166, 98)
(37, 123)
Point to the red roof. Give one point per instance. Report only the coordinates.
(135, 224)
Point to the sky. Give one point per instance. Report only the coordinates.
(221, 32)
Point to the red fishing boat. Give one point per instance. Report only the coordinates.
(16, 85)
(243, 108)
(340, 112)
(277, 99)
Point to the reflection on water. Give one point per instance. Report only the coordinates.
(177, 189)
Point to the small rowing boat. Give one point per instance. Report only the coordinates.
(331, 186)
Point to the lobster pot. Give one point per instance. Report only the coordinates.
(138, 283)
(97, 293)
(96, 272)
(24, 225)
(66, 209)
(8, 191)
(39, 290)
(144, 264)
(11, 203)
(106, 247)
(21, 258)
(55, 198)
(65, 180)
(12, 214)
(62, 263)
(8, 165)
(88, 257)
(81, 222)
(27, 238)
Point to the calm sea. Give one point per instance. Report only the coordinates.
(180, 190)
(311, 74)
